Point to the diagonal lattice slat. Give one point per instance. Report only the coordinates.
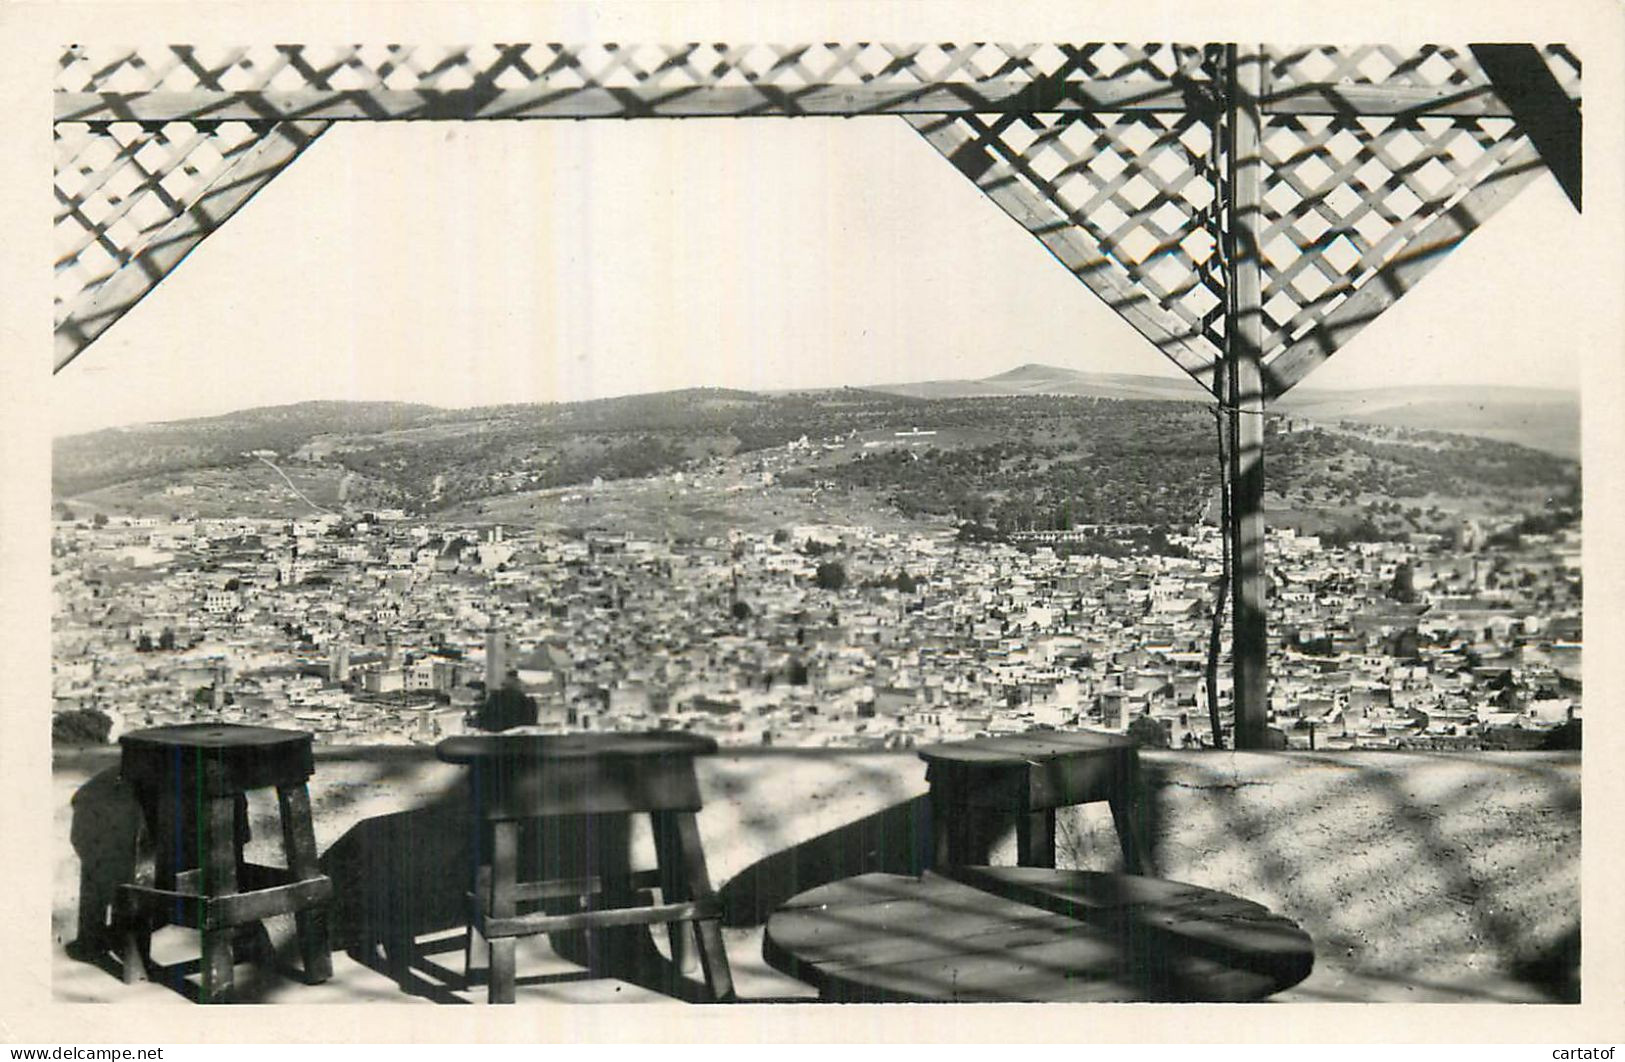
(1344, 197)
(1382, 79)
(1429, 67)
(1124, 201)
(1356, 208)
(133, 199)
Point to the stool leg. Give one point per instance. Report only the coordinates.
(1128, 834)
(135, 936)
(241, 833)
(502, 904)
(1035, 838)
(1126, 807)
(476, 949)
(299, 845)
(683, 877)
(169, 839)
(132, 927)
(219, 858)
(950, 828)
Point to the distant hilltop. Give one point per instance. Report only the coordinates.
(1545, 419)
(1036, 379)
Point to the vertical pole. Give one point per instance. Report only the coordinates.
(1244, 396)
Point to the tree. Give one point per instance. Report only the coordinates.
(1407, 644)
(1403, 588)
(831, 575)
(99, 520)
(1148, 733)
(504, 709)
(740, 610)
(1565, 735)
(82, 726)
(166, 640)
(143, 644)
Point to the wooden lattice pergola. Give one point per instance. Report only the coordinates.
(1248, 209)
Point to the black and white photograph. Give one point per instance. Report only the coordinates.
(779, 520)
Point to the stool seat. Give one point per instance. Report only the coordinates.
(529, 776)
(225, 759)
(473, 748)
(191, 782)
(515, 779)
(1028, 776)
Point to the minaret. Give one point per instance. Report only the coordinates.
(338, 665)
(496, 659)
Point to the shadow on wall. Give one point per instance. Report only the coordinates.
(899, 840)
(404, 877)
(105, 823)
(895, 840)
(1414, 871)
(398, 877)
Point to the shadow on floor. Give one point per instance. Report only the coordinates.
(1556, 970)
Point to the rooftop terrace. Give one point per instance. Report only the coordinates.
(1422, 877)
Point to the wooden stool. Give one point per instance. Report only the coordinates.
(519, 778)
(191, 783)
(1029, 776)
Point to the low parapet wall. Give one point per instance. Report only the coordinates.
(1410, 870)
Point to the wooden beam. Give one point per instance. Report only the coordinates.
(542, 99)
(146, 267)
(1071, 246)
(1403, 271)
(1407, 101)
(1244, 397)
(1542, 109)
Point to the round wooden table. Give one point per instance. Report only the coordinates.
(1026, 934)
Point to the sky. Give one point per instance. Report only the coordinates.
(463, 264)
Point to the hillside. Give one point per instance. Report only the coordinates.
(119, 455)
(1013, 462)
(1540, 418)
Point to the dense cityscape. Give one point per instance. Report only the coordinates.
(383, 628)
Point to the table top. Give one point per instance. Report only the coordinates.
(1014, 749)
(472, 748)
(1027, 934)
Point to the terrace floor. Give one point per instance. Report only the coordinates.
(1422, 877)
(544, 977)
